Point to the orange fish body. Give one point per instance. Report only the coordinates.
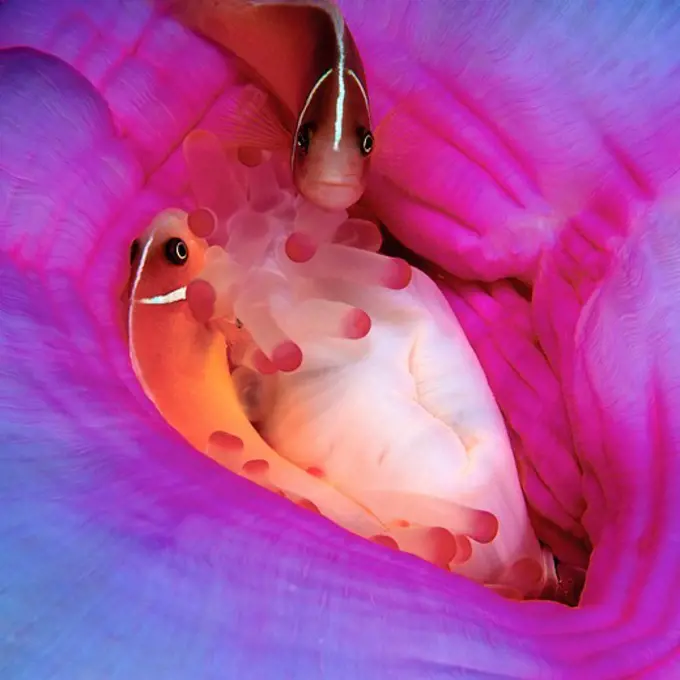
(195, 366)
(184, 369)
(304, 54)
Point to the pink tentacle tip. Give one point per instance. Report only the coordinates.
(385, 541)
(194, 140)
(226, 442)
(202, 222)
(250, 156)
(356, 324)
(287, 357)
(463, 551)
(526, 574)
(255, 468)
(445, 543)
(201, 298)
(315, 472)
(432, 544)
(262, 364)
(308, 505)
(485, 527)
(398, 274)
(300, 247)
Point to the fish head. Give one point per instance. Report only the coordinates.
(180, 363)
(333, 142)
(164, 260)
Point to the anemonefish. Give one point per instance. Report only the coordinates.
(183, 368)
(171, 353)
(163, 261)
(305, 56)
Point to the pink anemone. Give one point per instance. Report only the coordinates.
(541, 147)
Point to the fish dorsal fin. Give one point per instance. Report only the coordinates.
(251, 119)
(398, 135)
(279, 41)
(331, 8)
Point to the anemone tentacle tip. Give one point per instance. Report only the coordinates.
(201, 298)
(308, 505)
(299, 247)
(487, 527)
(262, 364)
(226, 441)
(356, 324)
(255, 467)
(250, 157)
(398, 274)
(201, 222)
(287, 357)
(385, 541)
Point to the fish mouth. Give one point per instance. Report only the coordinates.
(333, 195)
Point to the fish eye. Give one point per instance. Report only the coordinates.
(304, 137)
(176, 251)
(134, 251)
(365, 141)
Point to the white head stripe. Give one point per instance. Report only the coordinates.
(339, 106)
(342, 92)
(176, 295)
(364, 94)
(301, 117)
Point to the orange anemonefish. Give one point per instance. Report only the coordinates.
(305, 55)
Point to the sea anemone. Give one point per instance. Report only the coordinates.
(545, 152)
(387, 406)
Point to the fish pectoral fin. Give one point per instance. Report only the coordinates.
(397, 135)
(251, 119)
